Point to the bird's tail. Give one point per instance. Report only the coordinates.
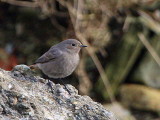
(34, 66)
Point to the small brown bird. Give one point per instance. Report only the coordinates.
(60, 60)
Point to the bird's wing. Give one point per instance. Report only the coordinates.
(52, 54)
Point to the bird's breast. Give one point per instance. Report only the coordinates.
(70, 62)
(60, 67)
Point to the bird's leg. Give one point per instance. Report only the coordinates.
(50, 85)
(65, 86)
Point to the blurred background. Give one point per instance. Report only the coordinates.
(121, 65)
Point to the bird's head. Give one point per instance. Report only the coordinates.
(71, 45)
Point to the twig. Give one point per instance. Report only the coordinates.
(149, 22)
(21, 3)
(149, 48)
(85, 84)
(129, 64)
(98, 66)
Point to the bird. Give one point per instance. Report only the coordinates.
(60, 60)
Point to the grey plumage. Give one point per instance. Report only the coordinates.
(61, 59)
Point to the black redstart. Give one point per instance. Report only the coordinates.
(61, 59)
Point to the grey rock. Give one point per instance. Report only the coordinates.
(33, 100)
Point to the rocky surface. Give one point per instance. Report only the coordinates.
(24, 96)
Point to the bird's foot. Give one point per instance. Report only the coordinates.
(67, 89)
(52, 90)
(50, 85)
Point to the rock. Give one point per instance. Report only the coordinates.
(24, 96)
(140, 97)
(23, 72)
(120, 112)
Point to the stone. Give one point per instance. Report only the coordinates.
(32, 99)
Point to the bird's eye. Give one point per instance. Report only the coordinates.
(73, 44)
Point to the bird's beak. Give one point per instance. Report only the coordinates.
(83, 46)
